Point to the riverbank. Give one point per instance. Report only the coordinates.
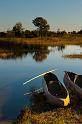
(43, 113)
(52, 41)
(6, 122)
(16, 47)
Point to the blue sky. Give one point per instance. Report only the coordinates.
(63, 14)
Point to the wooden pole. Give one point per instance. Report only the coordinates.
(38, 76)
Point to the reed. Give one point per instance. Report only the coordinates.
(71, 40)
(73, 56)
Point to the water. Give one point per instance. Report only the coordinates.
(21, 66)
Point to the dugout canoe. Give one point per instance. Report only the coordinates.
(56, 93)
(73, 82)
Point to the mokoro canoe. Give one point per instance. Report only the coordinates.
(55, 91)
(73, 82)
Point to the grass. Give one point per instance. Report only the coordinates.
(12, 47)
(73, 56)
(7, 54)
(43, 113)
(69, 40)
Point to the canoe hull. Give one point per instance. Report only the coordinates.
(72, 86)
(53, 99)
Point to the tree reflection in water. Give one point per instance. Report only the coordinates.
(61, 48)
(38, 52)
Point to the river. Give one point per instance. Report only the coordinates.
(18, 67)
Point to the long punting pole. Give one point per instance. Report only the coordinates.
(38, 76)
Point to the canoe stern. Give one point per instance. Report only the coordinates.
(66, 101)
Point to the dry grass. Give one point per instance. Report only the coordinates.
(4, 55)
(73, 56)
(43, 113)
(53, 41)
(60, 116)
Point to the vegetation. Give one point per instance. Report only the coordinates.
(43, 113)
(73, 56)
(38, 52)
(42, 25)
(18, 30)
(16, 42)
(42, 31)
(51, 41)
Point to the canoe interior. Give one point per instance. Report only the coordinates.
(71, 75)
(78, 79)
(54, 86)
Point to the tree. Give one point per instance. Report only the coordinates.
(10, 33)
(79, 32)
(27, 33)
(42, 25)
(18, 29)
(2, 34)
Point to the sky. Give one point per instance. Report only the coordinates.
(60, 14)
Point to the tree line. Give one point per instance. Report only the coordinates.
(41, 31)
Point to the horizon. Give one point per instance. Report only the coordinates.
(63, 15)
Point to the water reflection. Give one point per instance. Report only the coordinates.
(61, 48)
(38, 52)
(73, 52)
(14, 73)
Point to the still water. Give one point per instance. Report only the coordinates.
(19, 67)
